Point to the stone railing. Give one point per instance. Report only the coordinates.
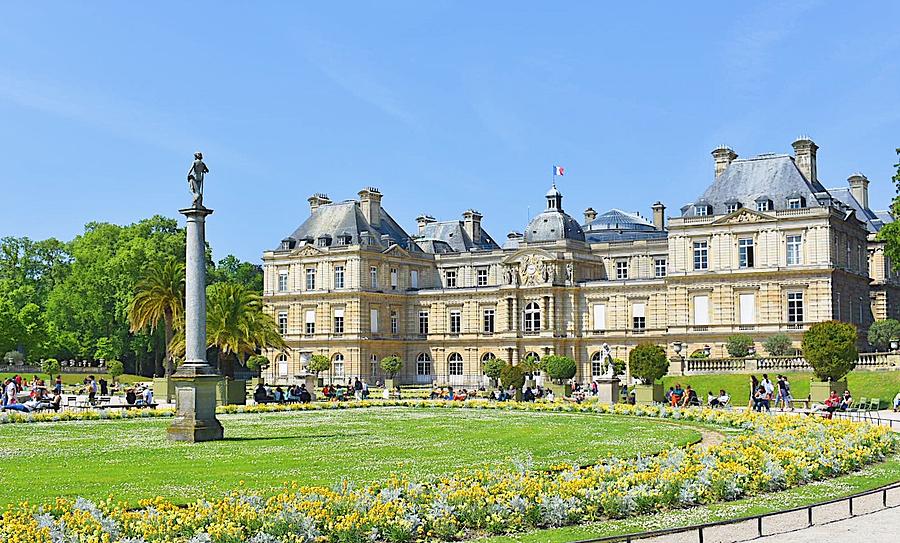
(699, 366)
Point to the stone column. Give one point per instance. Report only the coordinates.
(195, 380)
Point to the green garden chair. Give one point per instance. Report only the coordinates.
(861, 405)
(874, 404)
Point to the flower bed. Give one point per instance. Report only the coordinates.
(771, 453)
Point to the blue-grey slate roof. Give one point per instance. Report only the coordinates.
(453, 234)
(346, 218)
(874, 220)
(617, 225)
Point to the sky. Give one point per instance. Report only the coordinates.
(444, 106)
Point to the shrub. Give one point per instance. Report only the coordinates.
(559, 368)
(512, 376)
(619, 366)
(391, 365)
(115, 369)
(257, 363)
(493, 367)
(830, 349)
(739, 345)
(699, 353)
(882, 332)
(50, 366)
(648, 362)
(779, 345)
(318, 363)
(530, 364)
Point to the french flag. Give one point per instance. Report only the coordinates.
(558, 170)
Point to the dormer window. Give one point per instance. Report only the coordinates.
(287, 244)
(764, 204)
(345, 239)
(324, 241)
(796, 202)
(732, 205)
(701, 210)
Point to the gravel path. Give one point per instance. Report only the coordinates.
(879, 527)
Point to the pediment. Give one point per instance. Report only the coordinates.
(744, 215)
(395, 250)
(529, 254)
(307, 250)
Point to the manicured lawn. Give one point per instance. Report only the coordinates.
(132, 459)
(866, 479)
(868, 384)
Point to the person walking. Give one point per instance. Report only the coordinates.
(754, 385)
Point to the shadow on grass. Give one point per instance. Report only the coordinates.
(293, 436)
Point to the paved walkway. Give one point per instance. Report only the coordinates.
(879, 527)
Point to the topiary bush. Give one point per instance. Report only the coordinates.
(779, 345)
(882, 332)
(318, 363)
(512, 376)
(257, 363)
(648, 362)
(830, 349)
(391, 365)
(493, 367)
(738, 346)
(559, 368)
(50, 366)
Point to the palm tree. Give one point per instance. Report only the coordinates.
(159, 297)
(235, 325)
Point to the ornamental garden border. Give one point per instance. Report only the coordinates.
(773, 453)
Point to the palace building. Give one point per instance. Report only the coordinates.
(766, 249)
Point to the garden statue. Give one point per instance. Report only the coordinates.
(195, 178)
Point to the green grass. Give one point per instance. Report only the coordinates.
(132, 459)
(866, 479)
(70, 379)
(863, 384)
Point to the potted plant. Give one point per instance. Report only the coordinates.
(391, 366)
(317, 364)
(51, 367)
(830, 350)
(258, 364)
(559, 369)
(648, 364)
(513, 377)
(492, 369)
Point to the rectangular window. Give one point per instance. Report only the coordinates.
(793, 250)
(701, 255)
(795, 307)
(414, 279)
(373, 275)
(701, 310)
(394, 278)
(599, 316)
(745, 253)
(701, 211)
(731, 208)
(455, 321)
(373, 365)
(481, 277)
(488, 321)
(764, 205)
(338, 277)
(659, 267)
(748, 308)
(622, 269)
(450, 276)
(638, 316)
(338, 321)
(794, 203)
(282, 281)
(310, 321)
(847, 262)
(373, 320)
(423, 323)
(456, 367)
(310, 279)
(283, 322)
(395, 323)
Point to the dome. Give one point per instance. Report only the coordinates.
(553, 225)
(616, 219)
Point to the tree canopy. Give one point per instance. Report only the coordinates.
(830, 349)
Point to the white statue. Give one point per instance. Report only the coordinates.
(607, 357)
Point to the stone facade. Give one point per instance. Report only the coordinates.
(765, 250)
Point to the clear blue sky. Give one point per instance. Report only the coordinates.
(442, 105)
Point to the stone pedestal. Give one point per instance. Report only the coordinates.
(608, 390)
(195, 381)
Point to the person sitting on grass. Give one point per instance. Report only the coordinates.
(690, 398)
(677, 394)
(761, 399)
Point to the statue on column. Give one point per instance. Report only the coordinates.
(195, 178)
(605, 356)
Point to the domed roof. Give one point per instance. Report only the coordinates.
(616, 219)
(552, 225)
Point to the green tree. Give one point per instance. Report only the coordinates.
(512, 376)
(115, 369)
(738, 346)
(232, 270)
(778, 345)
(391, 365)
(830, 349)
(530, 364)
(881, 333)
(890, 232)
(107, 349)
(493, 367)
(159, 298)
(318, 363)
(559, 368)
(50, 366)
(257, 363)
(648, 362)
(619, 366)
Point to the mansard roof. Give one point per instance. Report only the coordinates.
(452, 234)
(874, 220)
(347, 219)
(747, 180)
(618, 225)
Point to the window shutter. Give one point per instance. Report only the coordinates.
(310, 316)
(638, 310)
(599, 316)
(701, 309)
(748, 308)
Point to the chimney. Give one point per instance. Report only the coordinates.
(723, 156)
(805, 157)
(370, 203)
(659, 215)
(472, 223)
(422, 221)
(317, 200)
(589, 215)
(859, 188)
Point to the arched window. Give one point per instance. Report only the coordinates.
(596, 364)
(488, 356)
(532, 317)
(455, 364)
(423, 364)
(281, 365)
(337, 366)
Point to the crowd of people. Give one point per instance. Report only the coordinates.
(37, 398)
(292, 394)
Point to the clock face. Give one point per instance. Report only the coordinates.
(530, 269)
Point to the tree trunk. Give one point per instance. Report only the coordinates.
(170, 365)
